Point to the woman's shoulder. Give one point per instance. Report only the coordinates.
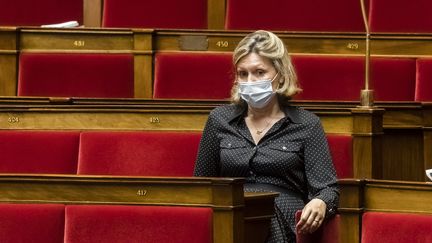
(301, 115)
(226, 111)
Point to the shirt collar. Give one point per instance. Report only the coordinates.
(291, 112)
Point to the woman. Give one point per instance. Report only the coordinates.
(276, 146)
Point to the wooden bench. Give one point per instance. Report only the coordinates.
(236, 217)
(361, 197)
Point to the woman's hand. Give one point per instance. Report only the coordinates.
(312, 216)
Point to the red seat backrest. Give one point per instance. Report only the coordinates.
(36, 223)
(35, 13)
(304, 15)
(138, 224)
(400, 16)
(393, 79)
(342, 78)
(329, 78)
(138, 153)
(342, 154)
(396, 227)
(193, 75)
(423, 91)
(173, 14)
(46, 152)
(76, 75)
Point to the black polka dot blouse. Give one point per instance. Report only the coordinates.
(292, 158)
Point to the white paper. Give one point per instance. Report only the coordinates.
(69, 24)
(429, 174)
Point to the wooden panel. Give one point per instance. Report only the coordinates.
(402, 115)
(254, 224)
(350, 230)
(8, 74)
(401, 45)
(128, 114)
(103, 119)
(77, 40)
(92, 13)
(8, 39)
(312, 43)
(143, 65)
(336, 123)
(398, 196)
(403, 155)
(8, 61)
(351, 194)
(216, 14)
(367, 133)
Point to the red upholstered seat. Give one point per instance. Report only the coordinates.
(342, 78)
(39, 152)
(342, 154)
(393, 79)
(304, 15)
(138, 153)
(329, 78)
(400, 16)
(36, 223)
(327, 233)
(396, 227)
(423, 91)
(152, 224)
(173, 14)
(193, 76)
(76, 75)
(35, 13)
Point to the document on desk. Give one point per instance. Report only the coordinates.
(68, 24)
(429, 174)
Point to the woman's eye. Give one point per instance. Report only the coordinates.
(242, 74)
(260, 72)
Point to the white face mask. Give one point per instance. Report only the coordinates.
(258, 93)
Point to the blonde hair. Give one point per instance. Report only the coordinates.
(267, 44)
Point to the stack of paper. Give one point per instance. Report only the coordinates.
(69, 24)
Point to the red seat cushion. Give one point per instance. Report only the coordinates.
(304, 15)
(152, 224)
(173, 14)
(39, 152)
(423, 90)
(76, 75)
(400, 16)
(36, 223)
(193, 76)
(396, 227)
(138, 153)
(342, 154)
(35, 13)
(327, 233)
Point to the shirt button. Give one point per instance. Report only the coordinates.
(284, 148)
(229, 145)
(251, 173)
(254, 148)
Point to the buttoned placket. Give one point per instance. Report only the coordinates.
(244, 131)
